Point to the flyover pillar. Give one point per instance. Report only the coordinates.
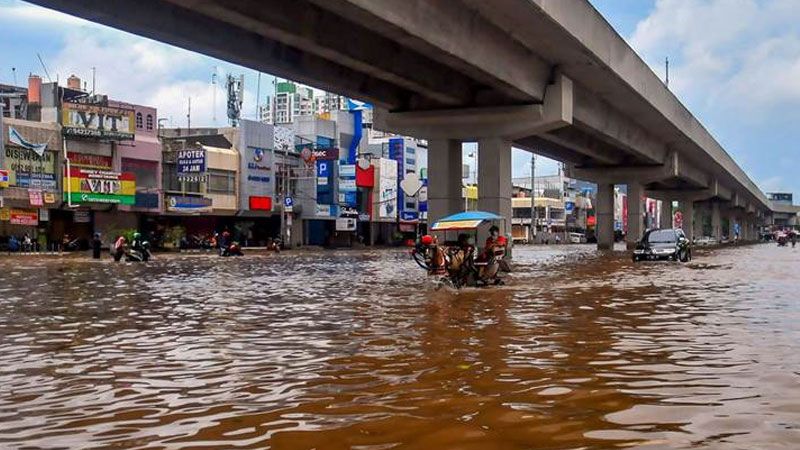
(665, 221)
(687, 208)
(604, 213)
(731, 225)
(444, 179)
(716, 221)
(635, 213)
(494, 178)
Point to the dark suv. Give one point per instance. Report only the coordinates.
(663, 244)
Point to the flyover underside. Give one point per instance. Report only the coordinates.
(562, 84)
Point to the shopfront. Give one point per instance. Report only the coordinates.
(29, 180)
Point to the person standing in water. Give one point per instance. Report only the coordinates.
(96, 246)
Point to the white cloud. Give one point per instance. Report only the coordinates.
(730, 53)
(24, 12)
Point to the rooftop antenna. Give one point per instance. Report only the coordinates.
(14, 73)
(666, 63)
(189, 116)
(93, 75)
(44, 67)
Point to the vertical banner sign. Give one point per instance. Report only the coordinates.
(347, 185)
(192, 165)
(396, 152)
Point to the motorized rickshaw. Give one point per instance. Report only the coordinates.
(451, 252)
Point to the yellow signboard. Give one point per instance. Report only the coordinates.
(5, 214)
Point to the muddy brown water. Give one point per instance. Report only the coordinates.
(355, 350)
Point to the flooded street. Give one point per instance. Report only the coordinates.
(340, 350)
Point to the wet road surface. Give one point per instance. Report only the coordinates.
(340, 350)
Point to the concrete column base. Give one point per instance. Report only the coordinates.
(604, 212)
(665, 219)
(687, 208)
(444, 179)
(494, 178)
(635, 212)
(716, 221)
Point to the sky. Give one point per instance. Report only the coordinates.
(734, 63)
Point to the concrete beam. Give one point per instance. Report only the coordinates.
(444, 176)
(593, 114)
(508, 122)
(596, 151)
(455, 36)
(187, 29)
(317, 31)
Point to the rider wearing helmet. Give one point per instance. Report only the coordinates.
(136, 244)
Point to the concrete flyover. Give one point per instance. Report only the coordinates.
(548, 76)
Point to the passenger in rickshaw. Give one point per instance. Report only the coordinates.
(492, 242)
(461, 253)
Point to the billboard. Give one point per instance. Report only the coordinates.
(257, 177)
(27, 169)
(387, 189)
(188, 205)
(100, 186)
(191, 165)
(93, 121)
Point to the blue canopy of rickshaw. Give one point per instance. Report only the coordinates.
(471, 215)
(464, 220)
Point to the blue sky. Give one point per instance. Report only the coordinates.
(734, 63)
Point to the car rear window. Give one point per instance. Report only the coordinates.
(661, 236)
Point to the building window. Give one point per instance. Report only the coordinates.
(149, 122)
(222, 182)
(139, 120)
(145, 172)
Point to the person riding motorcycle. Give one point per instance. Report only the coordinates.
(139, 246)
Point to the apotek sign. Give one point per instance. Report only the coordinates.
(95, 121)
(192, 165)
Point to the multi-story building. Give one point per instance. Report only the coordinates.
(291, 100)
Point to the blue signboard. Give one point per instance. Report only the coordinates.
(569, 207)
(324, 168)
(409, 216)
(396, 149)
(191, 161)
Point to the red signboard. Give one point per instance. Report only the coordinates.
(86, 160)
(24, 217)
(365, 177)
(261, 203)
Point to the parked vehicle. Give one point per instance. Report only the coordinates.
(663, 244)
(577, 238)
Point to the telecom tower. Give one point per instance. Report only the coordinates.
(235, 96)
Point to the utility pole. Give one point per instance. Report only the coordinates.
(94, 70)
(666, 63)
(189, 115)
(533, 198)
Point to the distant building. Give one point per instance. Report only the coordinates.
(291, 100)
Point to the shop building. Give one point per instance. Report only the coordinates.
(29, 179)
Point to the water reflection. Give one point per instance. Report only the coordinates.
(355, 350)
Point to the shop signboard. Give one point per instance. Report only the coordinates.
(4, 183)
(396, 152)
(569, 207)
(44, 215)
(49, 197)
(89, 161)
(325, 154)
(387, 189)
(24, 217)
(28, 169)
(188, 205)
(258, 181)
(346, 224)
(191, 164)
(5, 214)
(326, 211)
(93, 121)
(409, 216)
(100, 186)
(81, 216)
(15, 138)
(35, 197)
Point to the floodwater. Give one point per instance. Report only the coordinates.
(355, 350)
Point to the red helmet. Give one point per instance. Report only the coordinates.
(427, 239)
(502, 240)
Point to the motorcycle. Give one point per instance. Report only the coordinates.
(141, 253)
(233, 249)
(457, 263)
